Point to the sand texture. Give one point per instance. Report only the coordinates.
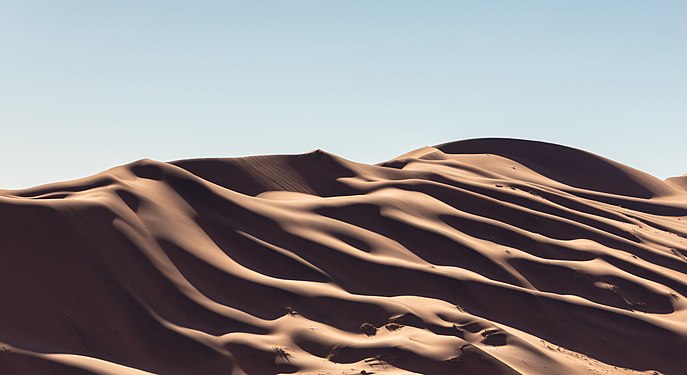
(487, 256)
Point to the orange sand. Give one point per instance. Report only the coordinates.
(488, 256)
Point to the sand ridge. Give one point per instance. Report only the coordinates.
(489, 256)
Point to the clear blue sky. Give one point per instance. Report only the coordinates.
(87, 85)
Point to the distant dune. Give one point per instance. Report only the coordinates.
(486, 256)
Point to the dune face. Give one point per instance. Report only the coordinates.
(679, 182)
(486, 256)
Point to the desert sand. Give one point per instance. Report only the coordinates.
(486, 256)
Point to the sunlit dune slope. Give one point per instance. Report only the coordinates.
(486, 256)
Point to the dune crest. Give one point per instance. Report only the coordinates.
(486, 256)
(678, 181)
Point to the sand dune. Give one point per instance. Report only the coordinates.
(488, 256)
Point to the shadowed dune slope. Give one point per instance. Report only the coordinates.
(486, 256)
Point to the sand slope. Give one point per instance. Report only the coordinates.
(486, 256)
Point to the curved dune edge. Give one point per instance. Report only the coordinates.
(489, 256)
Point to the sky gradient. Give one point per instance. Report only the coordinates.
(86, 85)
